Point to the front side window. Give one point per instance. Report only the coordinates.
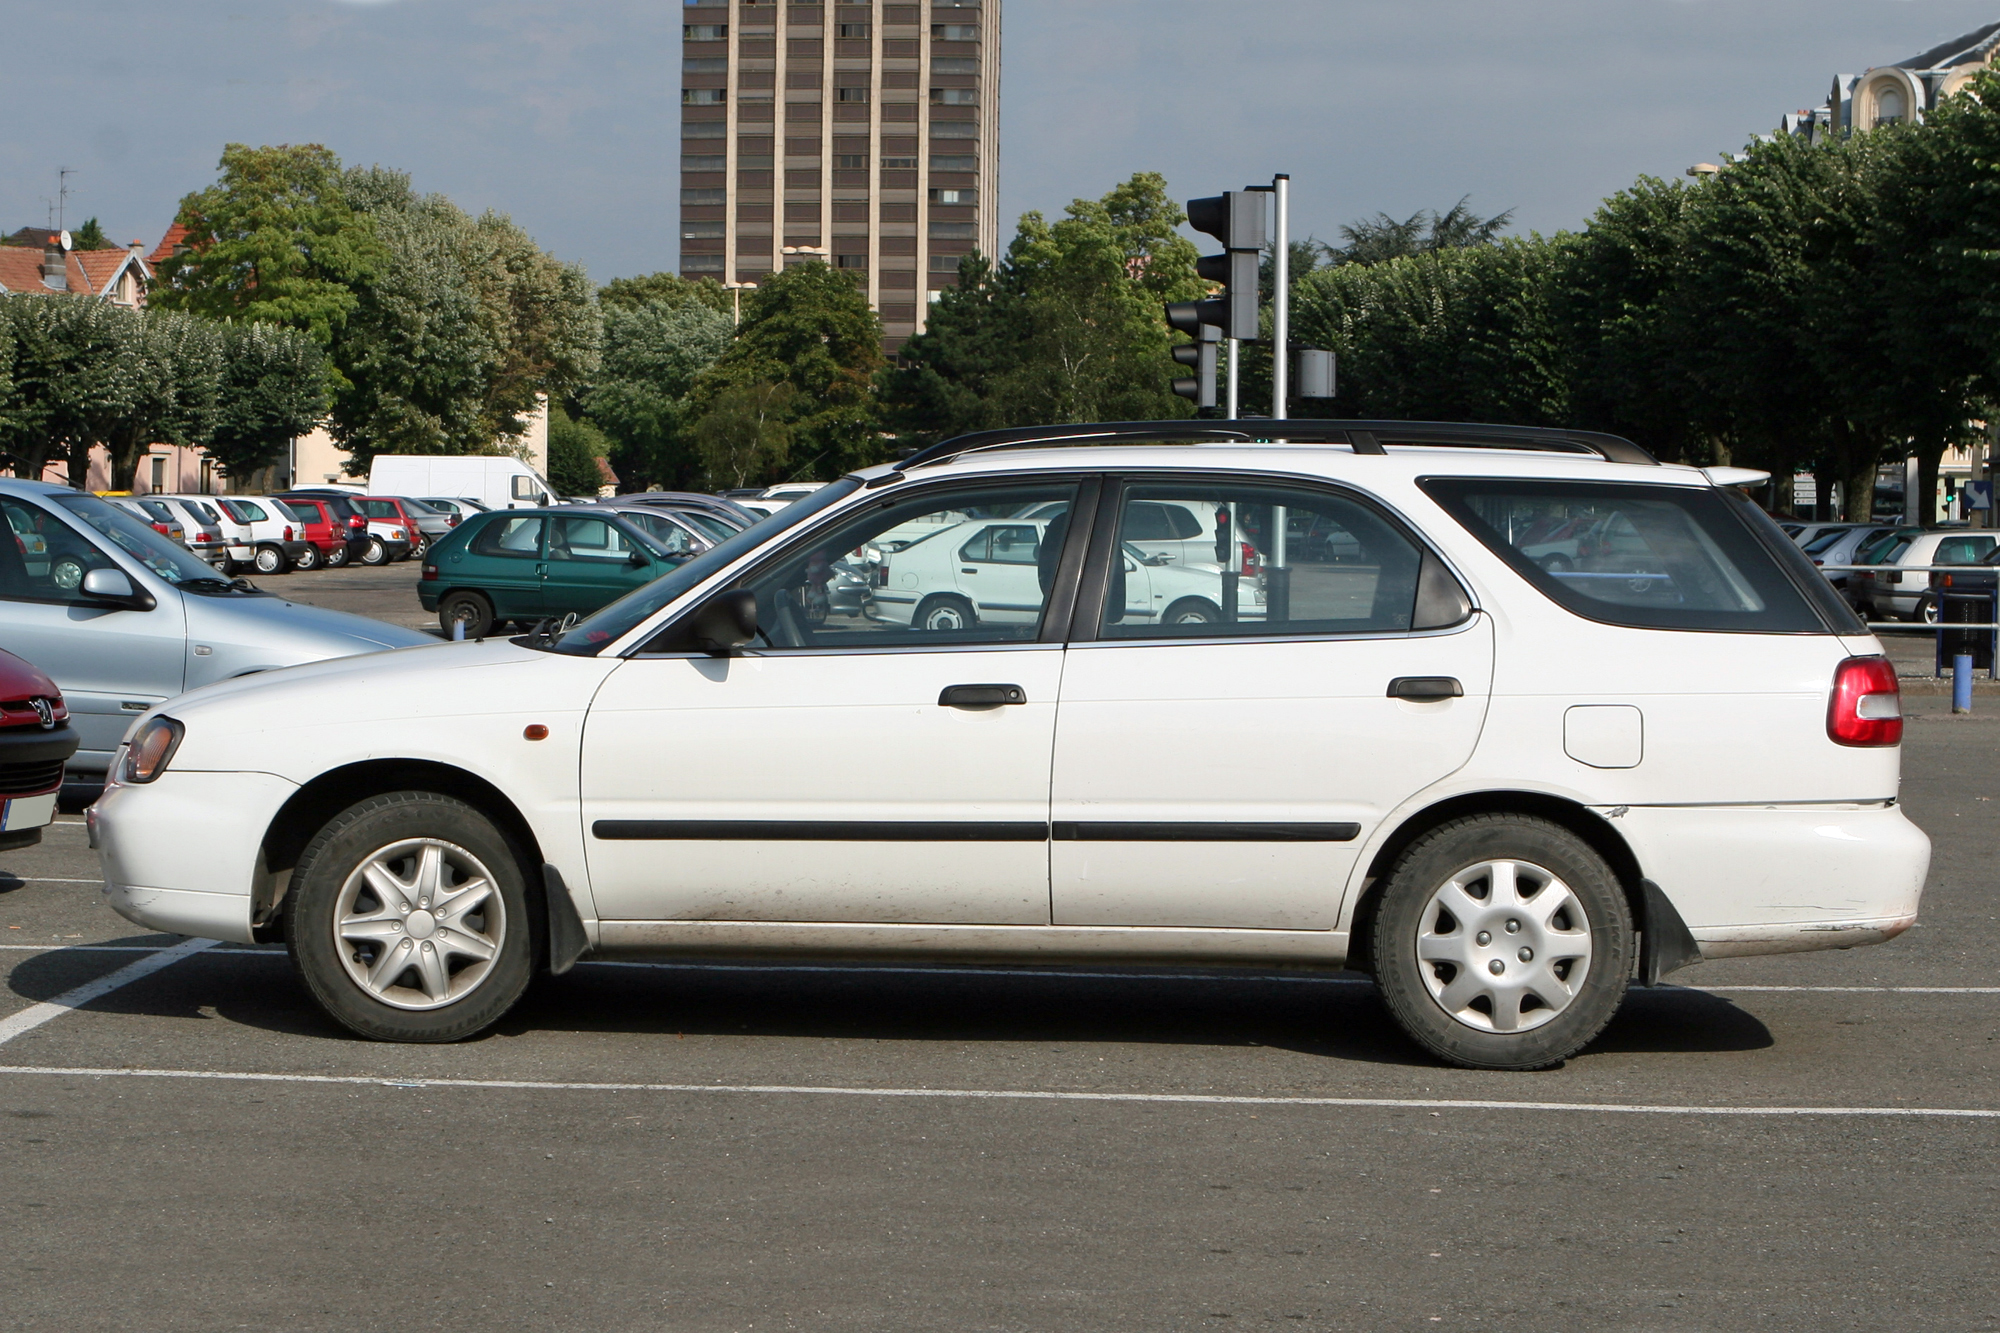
(960, 566)
(1651, 557)
(515, 538)
(1237, 560)
(244, 511)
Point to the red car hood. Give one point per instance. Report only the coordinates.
(21, 680)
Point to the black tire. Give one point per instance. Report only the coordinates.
(1407, 910)
(1192, 611)
(470, 607)
(944, 612)
(375, 553)
(308, 559)
(337, 556)
(270, 560)
(336, 854)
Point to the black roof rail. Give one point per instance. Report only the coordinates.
(1364, 437)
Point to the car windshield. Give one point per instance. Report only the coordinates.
(613, 622)
(1826, 541)
(164, 558)
(418, 507)
(706, 524)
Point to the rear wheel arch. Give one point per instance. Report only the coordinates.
(310, 808)
(1596, 831)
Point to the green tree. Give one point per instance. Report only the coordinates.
(574, 450)
(71, 375)
(811, 328)
(173, 363)
(663, 289)
(653, 353)
(747, 431)
(90, 236)
(273, 389)
(459, 330)
(1068, 327)
(274, 239)
(1424, 232)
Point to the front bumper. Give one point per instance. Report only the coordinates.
(182, 854)
(1782, 879)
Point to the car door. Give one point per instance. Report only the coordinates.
(1223, 772)
(592, 562)
(111, 663)
(840, 768)
(503, 560)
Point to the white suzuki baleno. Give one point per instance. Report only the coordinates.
(1509, 718)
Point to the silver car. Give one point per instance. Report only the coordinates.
(123, 618)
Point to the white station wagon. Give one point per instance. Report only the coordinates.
(1506, 791)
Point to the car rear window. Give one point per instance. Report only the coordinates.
(1651, 557)
(378, 508)
(1825, 540)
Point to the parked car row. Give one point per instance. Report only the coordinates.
(308, 528)
(1894, 586)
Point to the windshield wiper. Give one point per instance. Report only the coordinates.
(547, 630)
(219, 585)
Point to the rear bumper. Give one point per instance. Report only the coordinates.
(1782, 879)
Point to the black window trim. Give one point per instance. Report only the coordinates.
(1089, 610)
(1057, 611)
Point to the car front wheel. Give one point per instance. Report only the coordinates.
(1502, 942)
(1192, 611)
(469, 609)
(944, 613)
(269, 560)
(408, 919)
(308, 559)
(375, 553)
(337, 556)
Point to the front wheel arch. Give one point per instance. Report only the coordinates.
(1596, 831)
(308, 810)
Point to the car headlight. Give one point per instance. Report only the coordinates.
(148, 753)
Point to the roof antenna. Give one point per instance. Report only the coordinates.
(62, 196)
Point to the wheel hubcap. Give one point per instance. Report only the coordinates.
(1503, 946)
(419, 924)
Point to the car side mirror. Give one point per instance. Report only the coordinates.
(115, 586)
(637, 559)
(726, 623)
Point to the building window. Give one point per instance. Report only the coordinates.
(704, 96)
(851, 161)
(850, 94)
(850, 261)
(701, 231)
(899, 164)
(857, 30)
(1888, 106)
(954, 97)
(704, 196)
(954, 196)
(704, 162)
(705, 32)
(954, 129)
(954, 230)
(709, 65)
(749, 162)
(704, 129)
(945, 263)
(954, 66)
(941, 162)
(955, 32)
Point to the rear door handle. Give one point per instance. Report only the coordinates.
(981, 696)
(1425, 689)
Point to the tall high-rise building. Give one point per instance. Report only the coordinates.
(866, 135)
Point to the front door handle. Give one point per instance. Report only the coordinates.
(981, 696)
(1425, 689)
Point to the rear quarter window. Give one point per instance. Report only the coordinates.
(1645, 556)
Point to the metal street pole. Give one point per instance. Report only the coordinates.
(1233, 346)
(1281, 304)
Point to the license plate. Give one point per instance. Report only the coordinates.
(26, 812)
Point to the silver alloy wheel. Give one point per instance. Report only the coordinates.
(419, 923)
(1503, 946)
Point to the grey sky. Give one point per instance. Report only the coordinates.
(565, 115)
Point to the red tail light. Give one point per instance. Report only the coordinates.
(1249, 560)
(430, 572)
(288, 532)
(1867, 703)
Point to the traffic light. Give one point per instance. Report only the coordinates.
(1201, 355)
(1237, 220)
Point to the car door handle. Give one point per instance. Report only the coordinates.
(981, 696)
(1425, 689)
(967, 570)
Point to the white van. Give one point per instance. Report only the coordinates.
(496, 482)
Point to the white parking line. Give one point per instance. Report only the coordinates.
(37, 1014)
(46, 879)
(1012, 1094)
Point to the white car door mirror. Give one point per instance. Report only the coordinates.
(115, 586)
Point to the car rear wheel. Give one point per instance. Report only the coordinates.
(470, 609)
(1926, 612)
(337, 556)
(1192, 611)
(1502, 942)
(308, 559)
(408, 918)
(375, 553)
(269, 560)
(945, 612)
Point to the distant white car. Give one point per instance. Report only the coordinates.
(988, 571)
(269, 537)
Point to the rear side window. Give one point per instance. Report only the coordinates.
(378, 508)
(1652, 557)
(520, 538)
(1962, 550)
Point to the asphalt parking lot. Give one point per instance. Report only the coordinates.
(1810, 1142)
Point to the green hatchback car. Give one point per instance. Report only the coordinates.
(527, 564)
